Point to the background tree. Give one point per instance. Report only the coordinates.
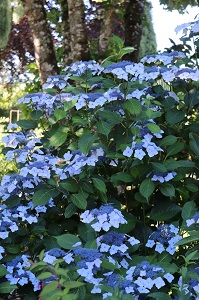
(180, 5)
(84, 28)
(78, 36)
(133, 19)
(42, 39)
(148, 40)
(5, 22)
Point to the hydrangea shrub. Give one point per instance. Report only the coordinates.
(104, 203)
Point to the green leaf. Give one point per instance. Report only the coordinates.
(50, 242)
(127, 297)
(158, 167)
(44, 275)
(103, 127)
(6, 287)
(99, 184)
(73, 284)
(133, 106)
(69, 104)
(86, 142)
(49, 288)
(168, 140)
(108, 265)
(189, 210)
(86, 232)
(194, 237)
(118, 41)
(3, 271)
(36, 114)
(121, 177)
(186, 163)
(78, 120)
(175, 148)
(13, 248)
(194, 143)
(153, 114)
(27, 124)
(59, 137)
(192, 256)
(131, 222)
(42, 196)
(147, 187)
(191, 187)
(70, 185)
(76, 78)
(110, 116)
(167, 189)
(79, 199)
(160, 296)
(125, 50)
(66, 241)
(70, 210)
(174, 116)
(59, 114)
(192, 98)
(158, 89)
(108, 83)
(164, 211)
(153, 128)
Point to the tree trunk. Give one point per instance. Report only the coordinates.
(79, 42)
(106, 28)
(133, 27)
(66, 59)
(42, 39)
(5, 22)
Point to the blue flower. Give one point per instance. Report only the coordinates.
(113, 280)
(193, 220)
(88, 255)
(164, 238)
(113, 238)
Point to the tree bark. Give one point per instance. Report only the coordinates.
(133, 27)
(43, 43)
(78, 35)
(5, 22)
(106, 28)
(66, 58)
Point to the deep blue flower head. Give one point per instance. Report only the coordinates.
(56, 252)
(197, 270)
(94, 96)
(77, 152)
(104, 209)
(185, 70)
(115, 94)
(163, 69)
(15, 261)
(113, 238)
(143, 131)
(193, 282)
(82, 264)
(113, 280)
(4, 225)
(151, 69)
(151, 270)
(39, 164)
(88, 255)
(125, 283)
(139, 146)
(196, 216)
(162, 235)
(121, 64)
